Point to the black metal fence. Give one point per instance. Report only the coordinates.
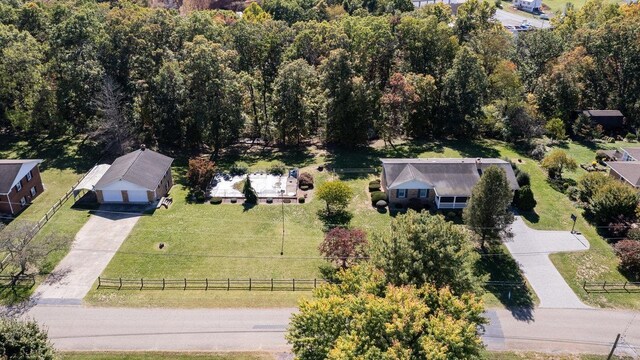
(210, 284)
(611, 287)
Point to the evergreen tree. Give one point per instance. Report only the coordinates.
(487, 213)
(250, 195)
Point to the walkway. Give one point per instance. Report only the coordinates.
(77, 328)
(90, 253)
(531, 249)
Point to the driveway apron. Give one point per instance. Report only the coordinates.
(531, 249)
(94, 246)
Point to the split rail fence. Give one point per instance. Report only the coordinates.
(210, 284)
(611, 287)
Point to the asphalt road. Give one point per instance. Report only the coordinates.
(507, 18)
(109, 329)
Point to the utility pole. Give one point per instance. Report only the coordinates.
(615, 344)
(282, 203)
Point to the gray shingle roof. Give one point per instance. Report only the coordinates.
(449, 177)
(145, 168)
(629, 170)
(602, 113)
(634, 152)
(10, 171)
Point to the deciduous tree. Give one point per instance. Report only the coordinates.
(200, 173)
(419, 249)
(335, 193)
(344, 247)
(361, 317)
(20, 339)
(557, 161)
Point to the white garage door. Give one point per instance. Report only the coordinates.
(112, 195)
(137, 196)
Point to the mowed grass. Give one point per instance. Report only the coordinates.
(64, 161)
(228, 241)
(163, 356)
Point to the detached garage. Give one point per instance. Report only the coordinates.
(142, 176)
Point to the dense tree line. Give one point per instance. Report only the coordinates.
(346, 72)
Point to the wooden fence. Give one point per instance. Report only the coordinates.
(611, 287)
(22, 281)
(47, 216)
(229, 284)
(210, 284)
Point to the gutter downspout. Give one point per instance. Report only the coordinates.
(9, 200)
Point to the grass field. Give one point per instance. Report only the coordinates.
(163, 356)
(64, 161)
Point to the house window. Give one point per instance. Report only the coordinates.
(446, 199)
(402, 193)
(23, 201)
(29, 176)
(33, 191)
(461, 199)
(19, 186)
(423, 193)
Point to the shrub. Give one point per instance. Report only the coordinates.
(415, 204)
(381, 203)
(601, 156)
(269, 200)
(216, 200)
(631, 137)
(523, 179)
(24, 339)
(634, 234)
(377, 196)
(538, 152)
(524, 199)
(398, 206)
(573, 193)
(618, 229)
(304, 187)
(613, 200)
(374, 187)
(629, 253)
(373, 182)
(199, 195)
(589, 183)
(451, 215)
(277, 168)
(239, 168)
(200, 173)
(286, 201)
(301, 200)
(305, 179)
(233, 200)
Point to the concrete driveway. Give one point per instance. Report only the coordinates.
(531, 249)
(93, 248)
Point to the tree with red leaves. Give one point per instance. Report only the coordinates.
(397, 103)
(344, 247)
(629, 253)
(200, 173)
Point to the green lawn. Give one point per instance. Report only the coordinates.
(163, 356)
(516, 355)
(229, 241)
(63, 164)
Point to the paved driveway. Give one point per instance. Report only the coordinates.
(531, 249)
(90, 253)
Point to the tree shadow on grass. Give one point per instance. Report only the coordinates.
(531, 216)
(510, 289)
(59, 152)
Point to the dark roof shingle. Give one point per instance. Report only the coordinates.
(10, 169)
(145, 168)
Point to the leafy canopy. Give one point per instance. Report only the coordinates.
(361, 317)
(487, 213)
(423, 249)
(336, 194)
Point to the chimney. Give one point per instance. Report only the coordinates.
(143, 147)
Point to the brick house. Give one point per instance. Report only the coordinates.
(440, 183)
(141, 176)
(20, 183)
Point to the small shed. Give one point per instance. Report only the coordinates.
(609, 119)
